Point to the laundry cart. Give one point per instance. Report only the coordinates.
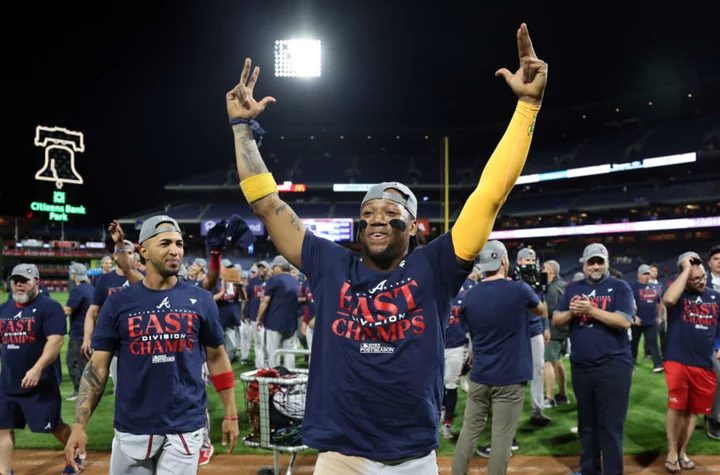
(275, 405)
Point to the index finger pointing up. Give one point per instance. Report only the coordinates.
(524, 36)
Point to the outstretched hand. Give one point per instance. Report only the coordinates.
(529, 81)
(240, 101)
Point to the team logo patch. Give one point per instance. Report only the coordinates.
(165, 303)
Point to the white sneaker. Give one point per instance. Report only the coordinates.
(447, 431)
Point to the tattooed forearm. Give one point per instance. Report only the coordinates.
(294, 220)
(247, 156)
(280, 209)
(92, 386)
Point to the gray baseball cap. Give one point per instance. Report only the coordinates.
(696, 258)
(150, 227)
(27, 271)
(264, 264)
(644, 269)
(578, 276)
(201, 262)
(282, 262)
(525, 253)
(491, 256)
(378, 192)
(253, 268)
(183, 272)
(226, 263)
(595, 250)
(79, 271)
(106, 258)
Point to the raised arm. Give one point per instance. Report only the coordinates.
(89, 327)
(674, 292)
(124, 259)
(258, 185)
(476, 220)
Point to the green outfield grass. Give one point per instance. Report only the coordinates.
(644, 429)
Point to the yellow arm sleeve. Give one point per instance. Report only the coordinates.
(473, 226)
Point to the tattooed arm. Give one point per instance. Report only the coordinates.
(92, 387)
(283, 225)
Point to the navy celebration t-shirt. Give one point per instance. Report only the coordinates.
(24, 331)
(693, 328)
(497, 313)
(107, 285)
(255, 292)
(281, 314)
(647, 298)
(456, 327)
(376, 385)
(593, 342)
(161, 336)
(79, 300)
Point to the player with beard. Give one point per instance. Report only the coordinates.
(599, 311)
(127, 266)
(693, 309)
(32, 328)
(163, 329)
(378, 345)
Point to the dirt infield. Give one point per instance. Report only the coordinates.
(48, 462)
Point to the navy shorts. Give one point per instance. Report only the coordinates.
(39, 410)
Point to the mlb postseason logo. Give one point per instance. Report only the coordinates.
(376, 348)
(163, 359)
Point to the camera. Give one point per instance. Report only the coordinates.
(531, 275)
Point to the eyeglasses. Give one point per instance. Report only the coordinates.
(696, 280)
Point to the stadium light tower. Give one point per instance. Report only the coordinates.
(297, 58)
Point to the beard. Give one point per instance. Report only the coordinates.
(25, 297)
(165, 272)
(382, 259)
(594, 280)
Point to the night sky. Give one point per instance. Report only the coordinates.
(145, 81)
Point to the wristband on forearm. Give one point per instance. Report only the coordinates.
(223, 381)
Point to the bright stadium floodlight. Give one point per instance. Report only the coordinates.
(297, 58)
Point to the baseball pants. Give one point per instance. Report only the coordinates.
(309, 336)
(231, 343)
(536, 385)
(245, 336)
(274, 340)
(169, 454)
(259, 337)
(206, 444)
(331, 463)
(113, 371)
(454, 360)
